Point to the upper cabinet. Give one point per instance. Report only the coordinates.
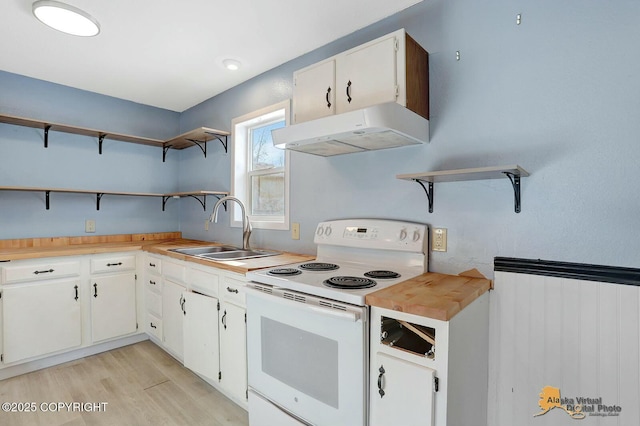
(392, 68)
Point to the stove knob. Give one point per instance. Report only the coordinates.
(416, 235)
(328, 231)
(403, 234)
(320, 231)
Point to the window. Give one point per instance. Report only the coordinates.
(260, 172)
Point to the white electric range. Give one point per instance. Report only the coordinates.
(307, 323)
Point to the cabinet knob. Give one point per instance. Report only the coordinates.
(95, 290)
(349, 91)
(232, 290)
(327, 97)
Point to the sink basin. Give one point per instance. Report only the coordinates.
(238, 254)
(196, 251)
(223, 252)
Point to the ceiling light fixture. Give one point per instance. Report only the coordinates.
(66, 18)
(231, 64)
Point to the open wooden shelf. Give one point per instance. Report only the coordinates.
(513, 172)
(99, 194)
(199, 136)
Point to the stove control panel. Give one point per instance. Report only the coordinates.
(374, 234)
(360, 233)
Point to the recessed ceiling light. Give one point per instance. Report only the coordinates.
(65, 18)
(231, 64)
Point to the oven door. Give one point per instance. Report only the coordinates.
(308, 359)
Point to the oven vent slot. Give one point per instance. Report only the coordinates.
(294, 297)
(264, 289)
(332, 305)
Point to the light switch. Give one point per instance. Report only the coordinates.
(295, 231)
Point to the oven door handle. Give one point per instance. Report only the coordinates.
(345, 315)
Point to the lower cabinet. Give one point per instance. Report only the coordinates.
(172, 317)
(233, 350)
(40, 318)
(403, 393)
(113, 306)
(425, 371)
(201, 349)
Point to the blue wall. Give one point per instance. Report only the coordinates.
(72, 161)
(557, 94)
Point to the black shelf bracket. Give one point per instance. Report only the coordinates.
(100, 140)
(202, 201)
(98, 198)
(165, 149)
(223, 142)
(46, 135)
(200, 144)
(429, 192)
(515, 182)
(224, 203)
(47, 197)
(164, 201)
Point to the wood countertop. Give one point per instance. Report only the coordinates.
(432, 295)
(160, 243)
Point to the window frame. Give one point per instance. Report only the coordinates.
(241, 161)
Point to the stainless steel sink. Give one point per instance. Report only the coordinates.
(196, 251)
(223, 252)
(238, 254)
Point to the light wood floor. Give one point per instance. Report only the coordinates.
(141, 384)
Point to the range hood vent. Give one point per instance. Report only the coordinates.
(387, 125)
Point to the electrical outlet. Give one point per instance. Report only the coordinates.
(89, 226)
(439, 239)
(206, 225)
(295, 231)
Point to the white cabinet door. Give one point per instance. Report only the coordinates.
(367, 76)
(172, 317)
(314, 92)
(233, 350)
(40, 318)
(407, 392)
(113, 306)
(201, 350)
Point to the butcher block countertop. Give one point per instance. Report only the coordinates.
(432, 295)
(158, 243)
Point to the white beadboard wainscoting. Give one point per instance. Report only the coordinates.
(570, 326)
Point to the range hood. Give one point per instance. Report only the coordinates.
(387, 125)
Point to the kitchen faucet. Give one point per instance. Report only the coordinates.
(246, 224)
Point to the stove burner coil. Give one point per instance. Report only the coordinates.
(284, 272)
(382, 274)
(318, 266)
(345, 282)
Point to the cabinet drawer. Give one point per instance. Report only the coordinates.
(204, 282)
(154, 326)
(153, 264)
(40, 271)
(113, 264)
(154, 283)
(173, 270)
(233, 291)
(154, 302)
